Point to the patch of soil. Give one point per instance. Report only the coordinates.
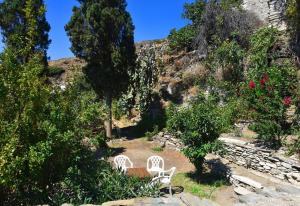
(225, 196)
(138, 150)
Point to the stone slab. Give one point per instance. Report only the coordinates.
(242, 191)
(247, 181)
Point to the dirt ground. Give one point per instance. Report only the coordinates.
(138, 150)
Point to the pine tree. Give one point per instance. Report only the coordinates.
(24, 28)
(101, 32)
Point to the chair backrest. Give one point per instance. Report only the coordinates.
(155, 163)
(120, 162)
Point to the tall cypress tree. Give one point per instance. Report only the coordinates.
(24, 28)
(101, 32)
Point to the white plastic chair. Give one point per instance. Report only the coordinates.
(164, 177)
(123, 162)
(155, 164)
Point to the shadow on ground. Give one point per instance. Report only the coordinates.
(114, 151)
(214, 174)
(175, 190)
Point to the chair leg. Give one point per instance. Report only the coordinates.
(170, 190)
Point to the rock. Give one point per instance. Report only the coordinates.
(280, 176)
(286, 165)
(296, 176)
(89, 205)
(251, 199)
(182, 199)
(206, 202)
(267, 192)
(191, 200)
(232, 141)
(273, 159)
(271, 165)
(262, 163)
(160, 134)
(162, 144)
(241, 191)
(119, 202)
(288, 189)
(247, 181)
(166, 136)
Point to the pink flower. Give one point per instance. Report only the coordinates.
(287, 101)
(251, 84)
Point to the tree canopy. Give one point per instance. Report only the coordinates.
(23, 25)
(102, 33)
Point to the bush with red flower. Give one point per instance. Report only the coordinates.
(269, 94)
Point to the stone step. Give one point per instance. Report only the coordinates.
(242, 191)
(191, 200)
(246, 181)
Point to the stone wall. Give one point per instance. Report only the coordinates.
(247, 155)
(166, 140)
(263, 160)
(270, 12)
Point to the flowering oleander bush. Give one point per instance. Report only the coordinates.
(270, 88)
(269, 97)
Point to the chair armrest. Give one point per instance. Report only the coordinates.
(170, 172)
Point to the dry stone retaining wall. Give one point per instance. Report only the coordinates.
(262, 160)
(247, 155)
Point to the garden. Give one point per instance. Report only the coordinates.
(57, 143)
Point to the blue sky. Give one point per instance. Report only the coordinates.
(153, 19)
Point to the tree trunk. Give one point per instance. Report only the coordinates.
(108, 122)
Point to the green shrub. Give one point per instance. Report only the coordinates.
(150, 125)
(95, 182)
(269, 131)
(182, 39)
(38, 125)
(229, 57)
(294, 148)
(117, 110)
(149, 135)
(199, 127)
(261, 43)
(158, 149)
(54, 71)
(233, 110)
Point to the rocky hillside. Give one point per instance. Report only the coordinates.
(178, 72)
(69, 67)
